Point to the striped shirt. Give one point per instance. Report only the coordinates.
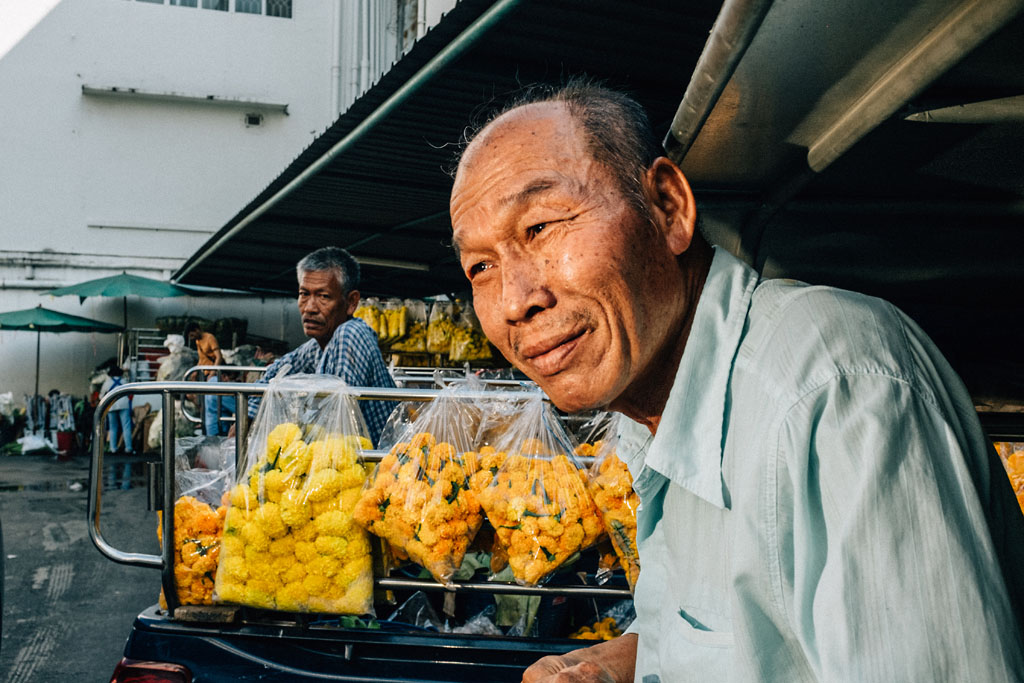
(353, 355)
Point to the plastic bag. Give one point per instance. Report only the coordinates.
(611, 486)
(418, 498)
(439, 327)
(204, 470)
(289, 539)
(468, 339)
(369, 312)
(538, 502)
(394, 321)
(415, 338)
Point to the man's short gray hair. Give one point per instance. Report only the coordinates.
(335, 260)
(617, 129)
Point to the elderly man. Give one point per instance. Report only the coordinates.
(339, 344)
(818, 500)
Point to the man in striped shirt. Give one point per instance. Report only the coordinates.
(339, 344)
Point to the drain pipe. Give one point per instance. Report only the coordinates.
(449, 53)
(735, 27)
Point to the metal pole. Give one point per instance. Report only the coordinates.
(38, 335)
(167, 549)
(451, 52)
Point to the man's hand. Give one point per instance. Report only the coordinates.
(610, 662)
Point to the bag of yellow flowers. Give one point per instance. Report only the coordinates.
(289, 539)
(611, 486)
(418, 498)
(537, 501)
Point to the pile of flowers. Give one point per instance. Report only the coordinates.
(197, 535)
(289, 540)
(611, 486)
(541, 511)
(605, 629)
(419, 500)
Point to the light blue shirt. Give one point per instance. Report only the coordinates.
(351, 354)
(817, 501)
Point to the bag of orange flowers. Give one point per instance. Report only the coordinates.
(204, 470)
(537, 500)
(418, 498)
(289, 539)
(611, 486)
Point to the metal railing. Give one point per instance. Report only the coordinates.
(196, 369)
(242, 391)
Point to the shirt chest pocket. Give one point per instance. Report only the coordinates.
(696, 631)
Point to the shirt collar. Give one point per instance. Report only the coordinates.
(688, 446)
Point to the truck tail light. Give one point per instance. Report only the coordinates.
(138, 671)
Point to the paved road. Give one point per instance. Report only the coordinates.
(68, 609)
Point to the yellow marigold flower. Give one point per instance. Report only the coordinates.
(229, 591)
(305, 551)
(281, 436)
(283, 546)
(352, 475)
(255, 536)
(307, 532)
(292, 597)
(333, 523)
(423, 441)
(232, 545)
(241, 497)
(322, 485)
(268, 516)
(234, 569)
(324, 565)
(263, 571)
(295, 572)
(331, 545)
(258, 595)
(316, 584)
(349, 498)
(295, 512)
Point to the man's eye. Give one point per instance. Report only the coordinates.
(478, 268)
(535, 230)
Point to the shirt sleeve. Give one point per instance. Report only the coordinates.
(894, 575)
(290, 360)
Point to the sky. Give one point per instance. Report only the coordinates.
(17, 17)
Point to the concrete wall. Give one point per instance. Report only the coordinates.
(93, 184)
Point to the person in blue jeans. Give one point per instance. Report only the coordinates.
(119, 421)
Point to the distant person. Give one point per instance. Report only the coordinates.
(209, 354)
(339, 344)
(119, 422)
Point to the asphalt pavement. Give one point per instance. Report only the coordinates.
(67, 609)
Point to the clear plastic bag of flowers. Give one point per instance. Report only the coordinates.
(200, 488)
(418, 497)
(290, 542)
(538, 502)
(611, 486)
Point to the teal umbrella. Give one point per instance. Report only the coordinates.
(41, 320)
(123, 285)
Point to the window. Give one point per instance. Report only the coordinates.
(279, 8)
(249, 6)
(273, 8)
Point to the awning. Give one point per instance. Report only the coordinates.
(385, 196)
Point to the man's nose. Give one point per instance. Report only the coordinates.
(307, 305)
(524, 287)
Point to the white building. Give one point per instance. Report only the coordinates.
(131, 130)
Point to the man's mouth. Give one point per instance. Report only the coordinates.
(312, 322)
(551, 355)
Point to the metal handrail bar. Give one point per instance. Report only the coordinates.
(195, 369)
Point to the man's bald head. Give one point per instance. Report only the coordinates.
(617, 131)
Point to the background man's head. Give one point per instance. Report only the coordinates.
(569, 226)
(193, 331)
(328, 291)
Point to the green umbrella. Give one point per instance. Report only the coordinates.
(123, 285)
(41, 320)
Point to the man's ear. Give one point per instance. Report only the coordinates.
(672, 205)
(352, 302)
